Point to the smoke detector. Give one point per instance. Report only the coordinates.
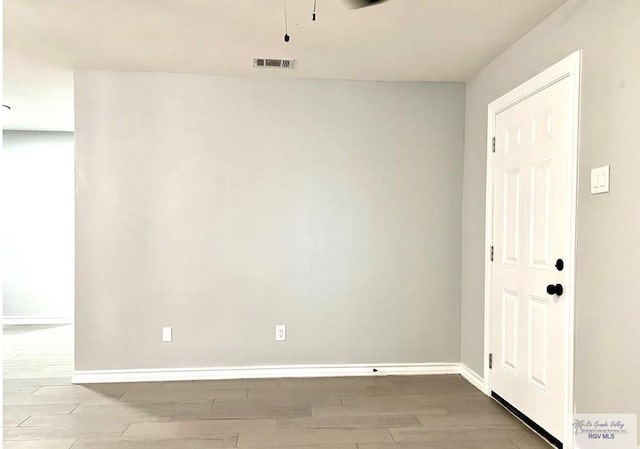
(274, 63)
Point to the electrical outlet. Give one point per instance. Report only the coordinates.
(167, 334)
(281, 332)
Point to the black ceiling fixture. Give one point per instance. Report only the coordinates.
(356, 4)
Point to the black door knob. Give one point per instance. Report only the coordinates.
(559, 264)
(555, 289)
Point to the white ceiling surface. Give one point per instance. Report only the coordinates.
(400, 40)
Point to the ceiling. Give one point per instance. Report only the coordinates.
(400, 40)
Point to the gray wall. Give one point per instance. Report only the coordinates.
(37, 211)
(223, 206)
(608, 226)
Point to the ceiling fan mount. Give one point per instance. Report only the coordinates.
(357, 4)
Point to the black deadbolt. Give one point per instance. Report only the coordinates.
(555, 289)
(560, 264)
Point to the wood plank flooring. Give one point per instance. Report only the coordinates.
(42, 410)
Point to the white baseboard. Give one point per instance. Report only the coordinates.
(472, 377)
(262, 372)
(22, 320)
(277, 371)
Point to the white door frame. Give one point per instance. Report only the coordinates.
(569, 67)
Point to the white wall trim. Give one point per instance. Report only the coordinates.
(472, 377)
(23, 320)
(262, 372)
(570, 67)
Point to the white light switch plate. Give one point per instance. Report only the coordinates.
(166, 334)
(600, 180)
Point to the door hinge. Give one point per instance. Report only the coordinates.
(493, 145)
(491, 253)
(490, 361)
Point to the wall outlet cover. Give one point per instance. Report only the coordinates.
(281, 332)
(167, 334)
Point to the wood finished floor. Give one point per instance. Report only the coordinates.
(43, 410)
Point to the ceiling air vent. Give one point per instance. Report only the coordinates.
(274, 63)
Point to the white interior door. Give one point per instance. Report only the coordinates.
(531, 231)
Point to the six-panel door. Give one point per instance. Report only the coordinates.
(530, 232)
